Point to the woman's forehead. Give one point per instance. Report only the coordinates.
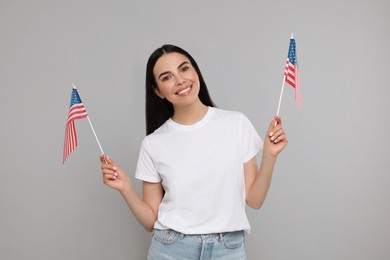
(170, 61)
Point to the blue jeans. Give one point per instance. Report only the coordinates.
(172, 245)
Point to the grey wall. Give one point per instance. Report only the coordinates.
(331, 191)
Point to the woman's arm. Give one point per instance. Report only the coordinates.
(258, 181)
(144, 209)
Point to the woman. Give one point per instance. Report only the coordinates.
(197, 165)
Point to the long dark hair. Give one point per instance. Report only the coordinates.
(159, 110)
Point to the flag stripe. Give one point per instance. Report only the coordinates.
(291, 71)
(76, 111)
(77, 117)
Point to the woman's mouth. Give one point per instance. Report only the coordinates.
(184, 91)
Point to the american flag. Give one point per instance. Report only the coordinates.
(291, 71)
(76, 111)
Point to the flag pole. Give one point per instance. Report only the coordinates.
(281, 92)
(281, 95)
(93, 130)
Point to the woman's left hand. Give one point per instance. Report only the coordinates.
(276, 138)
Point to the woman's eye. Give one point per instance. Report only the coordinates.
(166, 78)
(185, 68)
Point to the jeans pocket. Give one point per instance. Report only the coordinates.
(233, 239)
(167, 236)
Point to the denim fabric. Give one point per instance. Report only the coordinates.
(172, 245)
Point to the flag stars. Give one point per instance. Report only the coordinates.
(291, 52)
(75, 98)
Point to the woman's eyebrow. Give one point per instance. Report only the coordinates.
(181, 65)
(162, 74)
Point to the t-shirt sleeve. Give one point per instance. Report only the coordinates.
(250, 139)
(146, 169)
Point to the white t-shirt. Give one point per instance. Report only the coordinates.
(201, 167)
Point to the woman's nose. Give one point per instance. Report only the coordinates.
(179, 81)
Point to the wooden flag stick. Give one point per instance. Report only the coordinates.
(281, 95)
(281, 92)
(93, 130)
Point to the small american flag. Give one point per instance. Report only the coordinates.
(76, 111)
(291, 71)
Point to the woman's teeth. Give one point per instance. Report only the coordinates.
(184, 91)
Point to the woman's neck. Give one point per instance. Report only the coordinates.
(191, 114)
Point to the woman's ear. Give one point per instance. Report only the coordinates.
(157, 91)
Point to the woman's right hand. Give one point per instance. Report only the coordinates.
(113, 175)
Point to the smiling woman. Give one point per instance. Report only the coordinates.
(176, 79)
(159, 109)
(197, 165)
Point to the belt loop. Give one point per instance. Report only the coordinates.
(181, 235)
(221, 236)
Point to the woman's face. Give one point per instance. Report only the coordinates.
(176, 79)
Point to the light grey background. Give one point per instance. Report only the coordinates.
(331, 189)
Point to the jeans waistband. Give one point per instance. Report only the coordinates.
(201, 236)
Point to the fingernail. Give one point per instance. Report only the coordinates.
(271, 134)
(114, 168)
(272, 138)
(116, 174)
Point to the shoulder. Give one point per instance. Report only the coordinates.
(229, 115)
(157, 137)
(226, 113)
(161, 130)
